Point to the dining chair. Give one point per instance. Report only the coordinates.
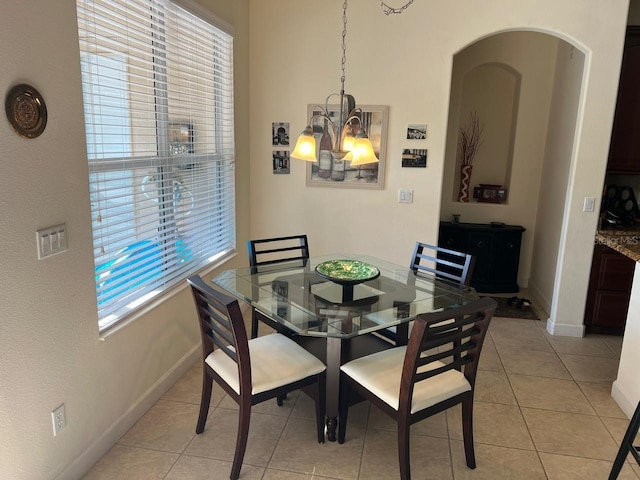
(269, 251)
(250, 371)
(433, 372)
(443, 263)
(627, 446)
(454, 266)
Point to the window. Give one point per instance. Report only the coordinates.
(158, 97)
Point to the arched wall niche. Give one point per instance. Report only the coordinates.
(535, 79)
(491, 93)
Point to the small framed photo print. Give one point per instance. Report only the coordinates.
(281, 162)
(280, 133)
(412, 157)
(416, 132)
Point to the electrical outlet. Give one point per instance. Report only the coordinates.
(59, 418)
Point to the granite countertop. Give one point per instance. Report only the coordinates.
(625, 240)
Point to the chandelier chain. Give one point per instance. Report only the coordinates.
(388, 10)
(344, 43)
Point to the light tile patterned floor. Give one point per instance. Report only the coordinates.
(543, 410)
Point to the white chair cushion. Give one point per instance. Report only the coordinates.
(275, 361)
(381, 374)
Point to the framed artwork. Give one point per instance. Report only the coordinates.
(416, 132)
(280, 133)
(340, 174)
(281, 162)
(180, 138)
(414, 157)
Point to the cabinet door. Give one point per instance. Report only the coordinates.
(505, 263)
(453, 239)
(609, 291)
(624, 151)
(480, 246)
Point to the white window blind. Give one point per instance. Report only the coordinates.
(158, 97)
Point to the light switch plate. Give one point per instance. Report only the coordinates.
(589, 204)
(405, 195)
(51, 240)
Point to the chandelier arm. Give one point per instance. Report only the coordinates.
(388, 10)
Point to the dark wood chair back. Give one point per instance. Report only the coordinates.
(442, 262)
(268, 251)
(451, 337)
(222, 329)
(264, 252)
(439, 343)
(222, 326)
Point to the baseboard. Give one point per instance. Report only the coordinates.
(542, 301)
(96, 450)
(623, 401)
(565, 329)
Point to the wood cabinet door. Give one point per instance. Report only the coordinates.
(609, 291)
(624, 151)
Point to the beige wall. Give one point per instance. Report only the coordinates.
(405, 62)
(51, 351)
(559, 150)
(50, 348)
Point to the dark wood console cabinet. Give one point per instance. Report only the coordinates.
(609, 291)
(496, 250)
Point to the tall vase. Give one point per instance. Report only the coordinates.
(465, 180)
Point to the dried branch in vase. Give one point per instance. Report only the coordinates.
(470, 140)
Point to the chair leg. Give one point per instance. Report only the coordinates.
(626, 445)
(467, 432)
(254, 323)
(343, 409)
(321, 405)
(243, 436)
(207, 386)
(404, 458)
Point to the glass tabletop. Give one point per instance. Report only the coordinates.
(308, 303)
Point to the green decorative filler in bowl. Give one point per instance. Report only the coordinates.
(347, 272)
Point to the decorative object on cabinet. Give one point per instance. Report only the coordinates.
(486, 193)
(26, 111)
(609, 291)
(350, 140)
(495, 248)
(332, 171)
(468, 145)
(624, 150)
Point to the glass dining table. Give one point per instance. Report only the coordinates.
(339, 306)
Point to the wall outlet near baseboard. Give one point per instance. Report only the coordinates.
(59, 418)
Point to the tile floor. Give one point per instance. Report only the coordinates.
(543, 410)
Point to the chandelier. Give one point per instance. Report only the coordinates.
(346, 145)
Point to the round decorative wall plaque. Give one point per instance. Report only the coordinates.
(26, 111)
